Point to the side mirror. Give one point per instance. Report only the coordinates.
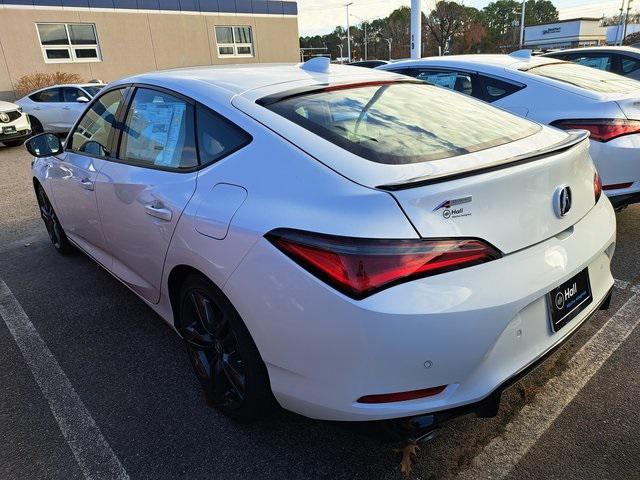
(82, 100)
(44, 145)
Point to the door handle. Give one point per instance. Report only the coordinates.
(86, 184)
(158, 211)
(66, 108)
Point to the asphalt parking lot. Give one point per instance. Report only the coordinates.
(127, 374)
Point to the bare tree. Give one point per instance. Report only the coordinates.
(446, 21)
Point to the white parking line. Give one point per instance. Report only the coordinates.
(92, 452)
(502, 454)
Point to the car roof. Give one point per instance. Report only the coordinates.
(260, 80)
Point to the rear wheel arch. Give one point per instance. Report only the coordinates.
(259, 399)
(177, 276)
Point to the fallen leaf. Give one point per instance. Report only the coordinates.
(408, 453)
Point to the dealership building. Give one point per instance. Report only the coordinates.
(576, 32)
(108, 39)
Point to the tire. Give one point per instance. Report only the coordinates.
(13, 143)
(52, 224)
(224, 357)
(36, 126)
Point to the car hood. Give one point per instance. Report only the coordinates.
(7, 106)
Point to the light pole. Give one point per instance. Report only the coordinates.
(366, 41)
(416, 29)
(626, 19)
(524, 2)
(348, 33)
(340, 46)
(389, 40)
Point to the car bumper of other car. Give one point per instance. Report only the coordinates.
(18, 129)
(618, 163)
(471, 330)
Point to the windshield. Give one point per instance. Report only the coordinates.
(585, 77)
(93, 91)
(403, 122)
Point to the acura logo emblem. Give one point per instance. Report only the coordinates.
(4, 118)
(562, 201)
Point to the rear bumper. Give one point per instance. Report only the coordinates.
(472, 330)
(419, 426)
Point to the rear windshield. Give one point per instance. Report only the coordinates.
(586, 77)
(401, 123)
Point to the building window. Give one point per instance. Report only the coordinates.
(68, 42)
(234, 41)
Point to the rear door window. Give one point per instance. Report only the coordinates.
(159, 132)
(402, 122)
(462, 82)
(601, 61)
(48, 95)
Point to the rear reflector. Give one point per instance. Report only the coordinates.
(601, 129)
(402, 396)
(359, 267)
(616, 186)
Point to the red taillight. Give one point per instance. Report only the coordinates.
(359, 267)
(601, 129)
(402, 396)
(597, 186)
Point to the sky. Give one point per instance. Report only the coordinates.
(321, 16)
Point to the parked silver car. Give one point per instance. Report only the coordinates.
(56, 108)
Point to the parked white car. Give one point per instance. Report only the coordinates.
(562, 94)
(56, 108)
(14, 125)
(621, 60)
(328, 236)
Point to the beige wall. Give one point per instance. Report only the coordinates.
(133, 42)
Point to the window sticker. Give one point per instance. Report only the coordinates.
(155, 131)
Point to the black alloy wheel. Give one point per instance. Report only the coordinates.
(54, 229)
(223, 355)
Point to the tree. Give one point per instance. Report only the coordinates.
(539, 11)
(445, 21)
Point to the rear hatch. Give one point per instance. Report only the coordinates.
(511, 207)
(457, 167)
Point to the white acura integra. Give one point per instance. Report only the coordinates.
(359, 245)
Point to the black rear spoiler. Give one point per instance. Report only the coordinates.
(575, 137)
